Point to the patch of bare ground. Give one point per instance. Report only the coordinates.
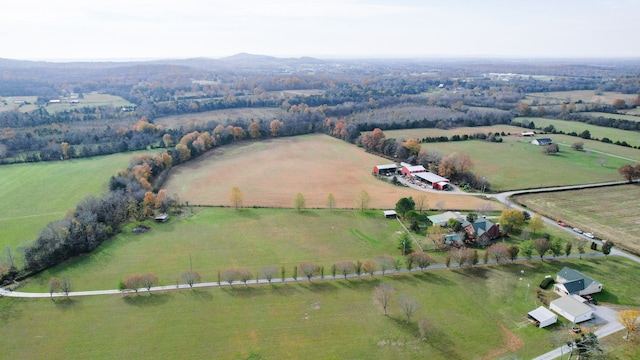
(270, 173)
(513, 343)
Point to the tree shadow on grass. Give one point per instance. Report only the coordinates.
(435, 338)
(150, 299)
(307, 213)
(433, 278)
(363, 283)
(244, 291)
(319, 286)
(198, 294)
(65, 303)
(284, 289)
(248, 213)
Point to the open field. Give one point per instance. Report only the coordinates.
(629, 117)
(35, 194)
(215, 239)
(324, 319)
(220, 116)
(517, 164)
(587, 96)
(270, 173)
(89, 100)
(631, 137)
(405, 134)
(611, 213)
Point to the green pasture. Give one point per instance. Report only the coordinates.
(405, 134)
(631, 137)
(474, 313)
(596, 114)
(214, 239)
(89, 100)
(586, 96)
(609, 213)
(35, 194)
(517, 164)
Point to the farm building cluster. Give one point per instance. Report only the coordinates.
(476, 232)
(416, 174)
(575, 289)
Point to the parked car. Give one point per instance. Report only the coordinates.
(577, 230)
(576, 329)
(561, 223)
(589, 235)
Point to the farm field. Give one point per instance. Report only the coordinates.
(609, 213)
(215, 239)
(34, 194)
(270, 173)
(587, 96)
(627, 116)
(89, 100)
(220, 116)
(631, 137)
(517, 164)
(327, 319)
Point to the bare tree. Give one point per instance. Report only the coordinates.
(149, 280)
(269, 272)
(422, 202)
(230, 275)
(369, 266)
(308, 269)
(382, 296)
(385, 262)
(54, 285)
(245, 275)
(66, 286)
(409, 306)
(345, 267)
(422, 259)
(191, 277)
(423, 328)
(440, 205)
(362, 200)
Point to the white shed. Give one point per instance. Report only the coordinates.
(543, 316)
(571, 309)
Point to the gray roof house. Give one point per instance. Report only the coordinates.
(570, 281)
(542, 141)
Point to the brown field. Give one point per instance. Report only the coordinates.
(269, 174)
(221, 116)
(609, 213)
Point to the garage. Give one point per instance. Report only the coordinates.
(572, 309)
(542, 317)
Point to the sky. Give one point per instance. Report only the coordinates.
(152, 29)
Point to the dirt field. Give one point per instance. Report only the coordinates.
(609, 213)
(270, 173)
(221, 116)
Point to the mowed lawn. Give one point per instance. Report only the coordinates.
(35, 194)
(473, 313)
(270, 173)
(517, 164)
(610, 213)
(215, 239)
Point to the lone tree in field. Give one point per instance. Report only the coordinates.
(308, 269)
(385, 262)
(542, 245)
(269, 272)
(423, 328)
(236, 197)
(409, 306)
(630, 172)
(382, 296)
(405, 244)
(422, 203)
(190, 277)
(331, 201)
(299, 202)
(54, 285)
(362, 200)
(536, 223)
(550, 149)
(345, 267)
(581, 245)
(630, 319)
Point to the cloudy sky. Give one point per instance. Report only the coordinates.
(145, 29)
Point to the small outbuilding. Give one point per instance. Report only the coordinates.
(162, 217)
(542, 141)
(542, 317)
(390, 214)
(571, 309)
